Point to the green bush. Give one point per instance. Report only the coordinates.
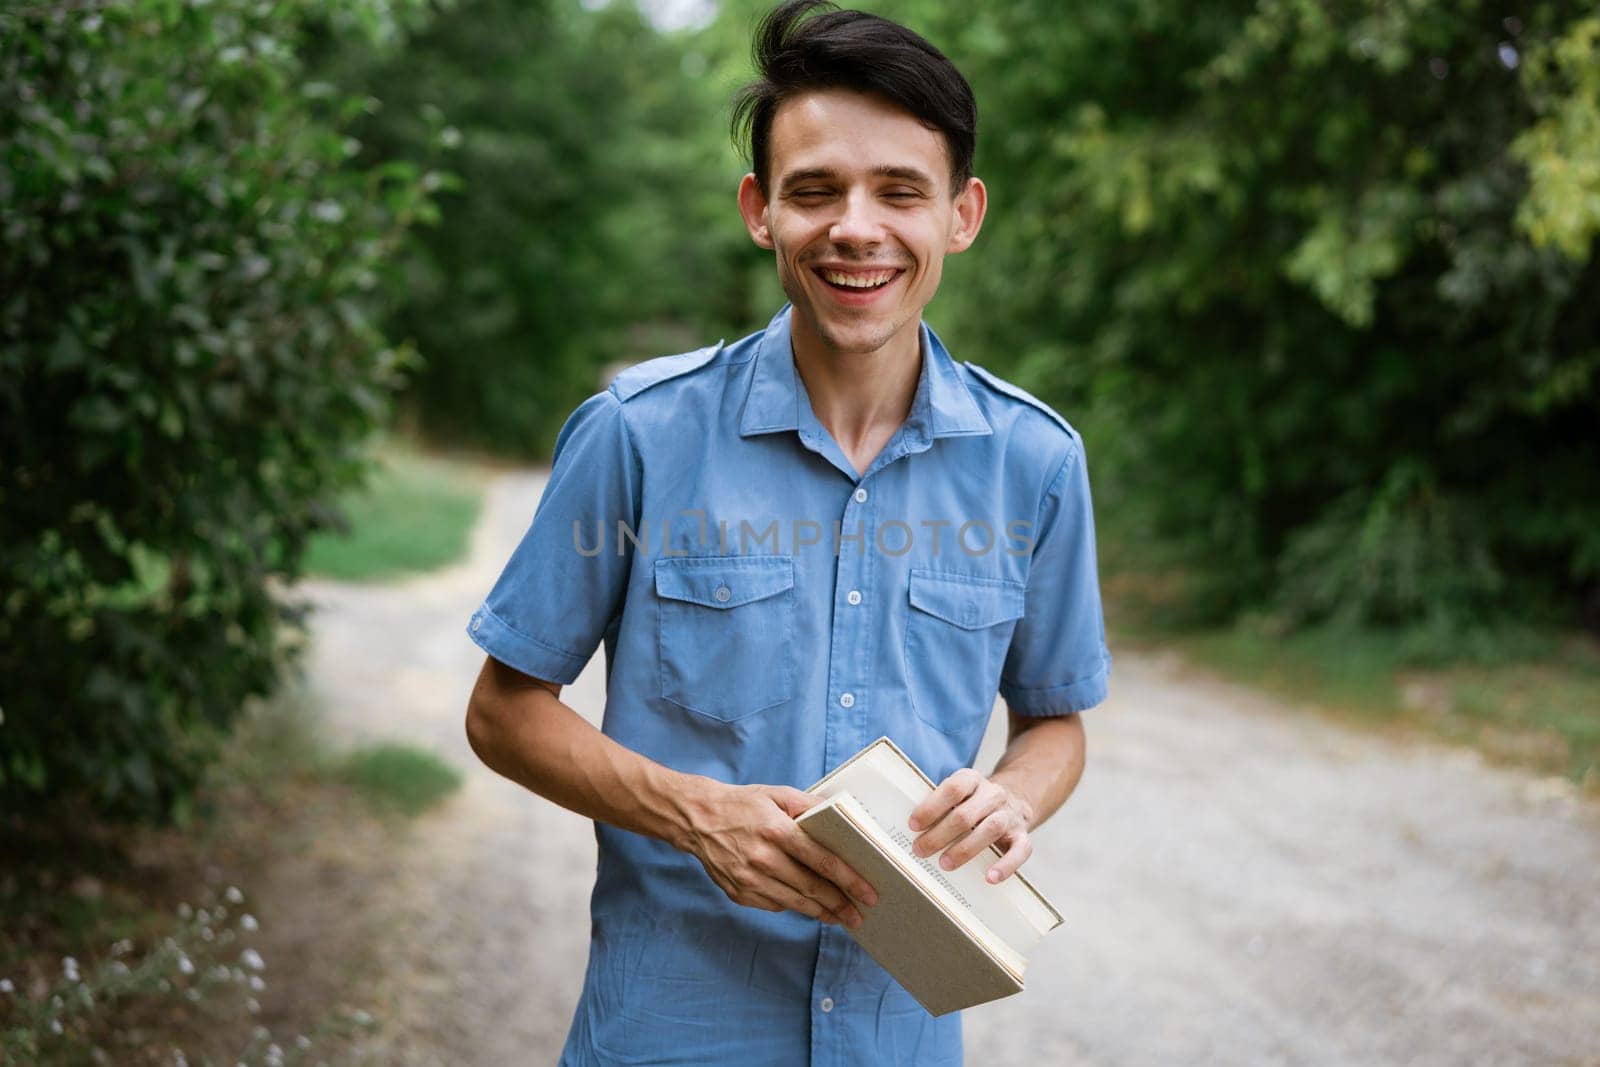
(189, 274)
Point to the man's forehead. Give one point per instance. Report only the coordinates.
(842, 131)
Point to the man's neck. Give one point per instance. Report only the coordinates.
(861, 398)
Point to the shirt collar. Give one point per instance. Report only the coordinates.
(942, 407)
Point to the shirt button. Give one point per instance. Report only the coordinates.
(847, 700)
(477, 624)
(861, 496)
(722, 593)
(827, 1004)
(854, 596)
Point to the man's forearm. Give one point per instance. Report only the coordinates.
(1042, 763)
(527, 734)
(744, 836)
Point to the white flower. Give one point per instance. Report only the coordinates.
(191, 994)
(7, 986)
(233, 896)
(252, 959)
(122, 947)
(203, 916)
(256, 983)
(248, 922)
(302, 1042)
(360, 1017)
(55, 1026)
(253, 1005)
(207, 934)
(185, 965)
(184, 911)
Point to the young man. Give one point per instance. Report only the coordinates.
(791, 545)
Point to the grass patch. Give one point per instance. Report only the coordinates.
(414, 515)
(1522, 697)
(401, 777)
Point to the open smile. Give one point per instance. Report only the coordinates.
(856, 286)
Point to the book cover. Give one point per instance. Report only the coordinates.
(949, 937)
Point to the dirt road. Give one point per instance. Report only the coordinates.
(1243, 883)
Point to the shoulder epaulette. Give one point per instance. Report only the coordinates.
(1002, 386)
(636, 379)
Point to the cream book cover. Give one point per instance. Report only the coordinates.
(949, 937)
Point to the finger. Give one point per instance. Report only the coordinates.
(795, 899)
(961, 821)
(813, 886)
(794, 802)
(1015, 856)
(775, 897)
(997, 826)
(844, 877)
(950, 792)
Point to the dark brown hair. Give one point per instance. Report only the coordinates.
(838, 49)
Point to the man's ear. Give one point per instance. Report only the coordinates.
(753, 208)
(969, 209)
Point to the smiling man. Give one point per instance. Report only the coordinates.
(791, 545)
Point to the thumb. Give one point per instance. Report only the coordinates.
(793, 801)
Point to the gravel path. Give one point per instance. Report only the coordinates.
(1243, 883)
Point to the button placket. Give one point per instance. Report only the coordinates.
(850, 651)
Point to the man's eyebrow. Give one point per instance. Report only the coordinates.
(796, 177)
(905, 174)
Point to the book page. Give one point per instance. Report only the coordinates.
(889, 789)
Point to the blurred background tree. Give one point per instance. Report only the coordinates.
(1317, 280)
(591, 224)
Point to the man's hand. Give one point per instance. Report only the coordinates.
(746, 839)
(965, 815)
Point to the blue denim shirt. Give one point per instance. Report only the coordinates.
(766, 611)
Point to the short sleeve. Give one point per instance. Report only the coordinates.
(565, 581)
(1058, 661)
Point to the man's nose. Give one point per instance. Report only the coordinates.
(859, 222)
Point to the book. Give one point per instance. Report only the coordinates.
(950, 938)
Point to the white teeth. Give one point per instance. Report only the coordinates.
(859, 281)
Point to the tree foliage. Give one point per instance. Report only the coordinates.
(591, 226)
(187, 364)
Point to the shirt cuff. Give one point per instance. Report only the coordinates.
(527, 654)
(1079, 694)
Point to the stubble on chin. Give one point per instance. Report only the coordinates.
(848, 341)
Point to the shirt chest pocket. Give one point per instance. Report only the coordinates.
(958, 629)
(726, 632)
